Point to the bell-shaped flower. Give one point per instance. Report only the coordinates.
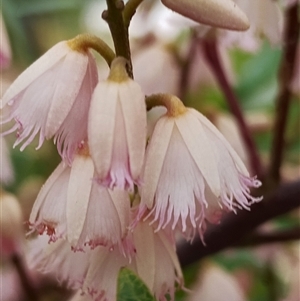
(58, 259)
(187, 159)
(95, 272)
(117, 129)
(52, 98)
(156, 261)
(72, 205)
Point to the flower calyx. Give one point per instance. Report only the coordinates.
(174, 105)
(118, 70)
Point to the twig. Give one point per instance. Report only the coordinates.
(186, 67)
(213, 58)
(234, 227)
(129, 10)
(285, 75)
(114, 17)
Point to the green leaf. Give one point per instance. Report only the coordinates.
(132, 288)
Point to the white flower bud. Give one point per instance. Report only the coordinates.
(220, 13)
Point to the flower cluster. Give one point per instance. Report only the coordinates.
(118, 197)
(186, 175)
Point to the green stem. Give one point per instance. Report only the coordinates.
(119, 32)
(129, 10)
(85, 41)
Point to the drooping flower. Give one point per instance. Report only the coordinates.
(52, 98)
(156, 261)
(117, 129)
(72, 205)
(58, 259)
(188, 161)
(220, 13)
(95, 272)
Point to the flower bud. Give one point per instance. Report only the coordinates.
(220, 13)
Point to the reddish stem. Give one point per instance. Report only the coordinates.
(213, 58)
(291, 36)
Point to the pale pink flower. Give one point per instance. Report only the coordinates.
(11, 225)
(72, 205)
(95, 272)
(52, 97)
(156, 261)
(187, 160)
(117, 129)
(59, 260)
(5, 51)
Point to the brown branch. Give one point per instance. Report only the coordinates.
(235, 227)
(257, 238)
(213, 58)
(291, 37)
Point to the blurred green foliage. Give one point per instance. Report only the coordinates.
(132, 288)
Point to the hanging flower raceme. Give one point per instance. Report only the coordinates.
(52, 97)
(72, 205)
(191, 172)
(117, 129)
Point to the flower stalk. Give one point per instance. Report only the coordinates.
(114, 17)
(84, 41)
(129, 10)
(173, 104)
